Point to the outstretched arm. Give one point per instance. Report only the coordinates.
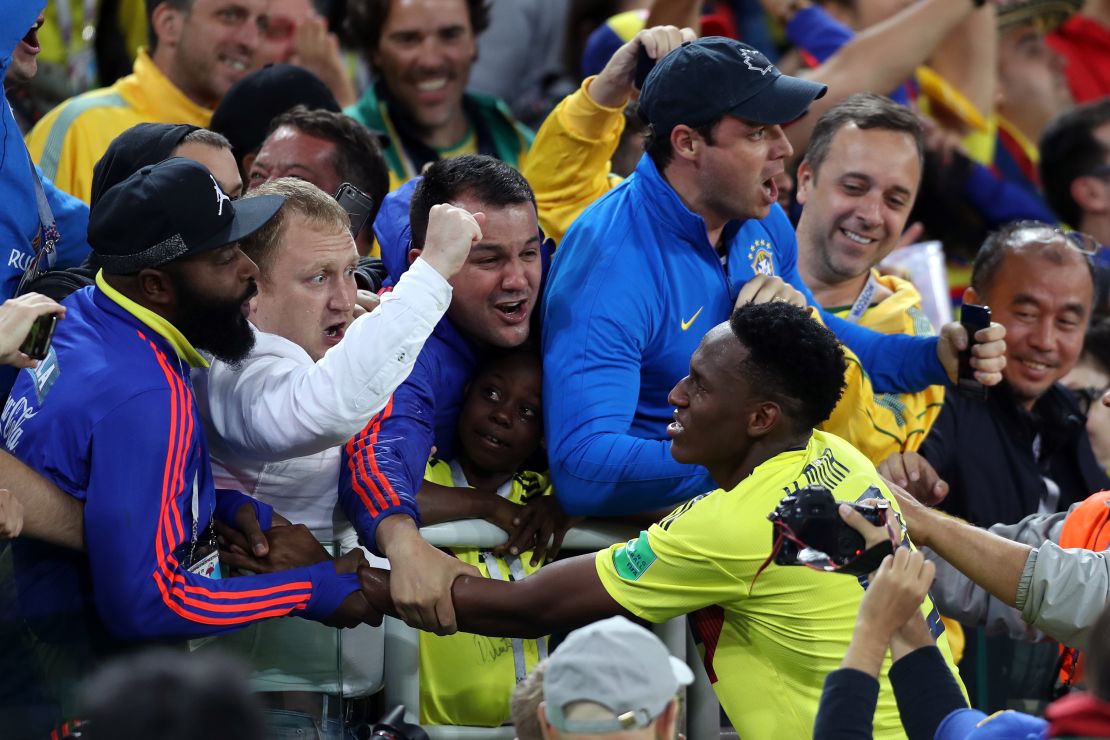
(995, 563)
(562, 596)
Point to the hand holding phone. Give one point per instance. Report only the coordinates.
(357, 204)
(972, 318)
(26, 328)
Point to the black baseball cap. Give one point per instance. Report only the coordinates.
(246, 110)
(142, 144)
(169, 210)
(702, 80)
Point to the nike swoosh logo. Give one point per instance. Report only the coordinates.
(687, 324)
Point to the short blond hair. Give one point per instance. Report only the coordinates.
(525, 702)
(303, 199)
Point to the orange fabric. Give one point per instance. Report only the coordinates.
(1085, 527)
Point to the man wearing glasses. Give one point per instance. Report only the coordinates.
(1024, 449)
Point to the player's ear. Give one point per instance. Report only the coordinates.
(763, 418)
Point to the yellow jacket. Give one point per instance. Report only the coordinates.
(69, 140)
(879, 424)
(568, 165)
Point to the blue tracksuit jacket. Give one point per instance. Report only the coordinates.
(109, 417)
(383, 465)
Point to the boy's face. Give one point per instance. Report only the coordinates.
(501, 423)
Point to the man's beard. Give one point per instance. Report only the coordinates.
(216, 326)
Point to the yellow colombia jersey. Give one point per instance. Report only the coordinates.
(767, 647)
(468, 679)
(887, 423)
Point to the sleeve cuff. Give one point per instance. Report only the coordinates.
(229, 501)
(367, 526)
(424, 288)
(1021, 598)
(329, 589)
(584, 117)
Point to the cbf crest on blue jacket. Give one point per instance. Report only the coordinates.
(634, 287)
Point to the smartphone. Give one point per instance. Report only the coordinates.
(973, 318)
(37, 343)
(357, 204)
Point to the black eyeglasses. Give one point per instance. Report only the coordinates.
(1085, 397)
(1103, 170)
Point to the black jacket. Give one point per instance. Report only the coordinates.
(984, 450)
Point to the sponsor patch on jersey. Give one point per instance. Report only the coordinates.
(46, 374)
(633, 558)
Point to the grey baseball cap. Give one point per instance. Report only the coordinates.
(617, 664)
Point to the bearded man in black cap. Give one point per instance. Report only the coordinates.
(109, 417)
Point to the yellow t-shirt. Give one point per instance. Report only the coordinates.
(880, 424)
(468, 679)
(768, 646)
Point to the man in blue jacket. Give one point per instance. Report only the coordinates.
(492, 306)
(36, 215)
(654, 263)
(109, 417)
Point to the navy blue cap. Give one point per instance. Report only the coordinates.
(702, 80)
(167, 211)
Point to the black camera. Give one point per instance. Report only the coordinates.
(808, 519)
(394, 727)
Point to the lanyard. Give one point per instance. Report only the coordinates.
(196, 514)
(46, 251)
(859, 308)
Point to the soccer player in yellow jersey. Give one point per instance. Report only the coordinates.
(757, 386)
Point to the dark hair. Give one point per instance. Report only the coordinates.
(484, 178)
(867, 111)
(792, 358)
(367, 18)
(997, 245)
(185, 6)
(357, 158)
(172, 695)
(1098, 657)
(1069, 150)
(1096, 346)
(658, 146)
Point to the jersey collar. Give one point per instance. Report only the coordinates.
(156, 323)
